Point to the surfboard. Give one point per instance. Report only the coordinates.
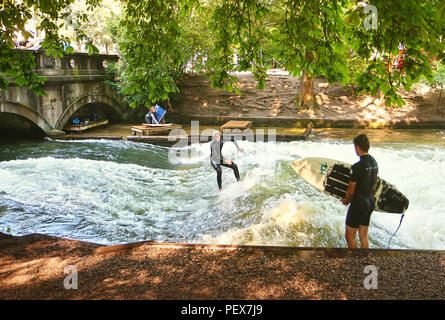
(332, 177)
(157, 124)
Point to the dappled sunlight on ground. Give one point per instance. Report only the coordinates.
(278, 99)
(32, 267)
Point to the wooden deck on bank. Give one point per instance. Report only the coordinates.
(83, 127)
(187, 139)
(190, 139)
(145, 130)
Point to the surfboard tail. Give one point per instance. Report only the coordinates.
(332, 177)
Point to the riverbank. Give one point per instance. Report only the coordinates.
(275, 105)
(120, 131)
(32, 267)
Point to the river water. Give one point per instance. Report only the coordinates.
(112, 192)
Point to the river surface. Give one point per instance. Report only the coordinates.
(112, 192)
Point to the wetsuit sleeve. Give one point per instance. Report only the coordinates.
(234, 141)
(357, 173)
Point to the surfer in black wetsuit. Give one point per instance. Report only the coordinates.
(360, 194)
(217, 160)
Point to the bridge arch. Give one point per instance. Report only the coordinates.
(26, 112)
(111, 105)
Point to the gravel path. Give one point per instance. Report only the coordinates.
(32, 267)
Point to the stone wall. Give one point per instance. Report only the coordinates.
(72, 82)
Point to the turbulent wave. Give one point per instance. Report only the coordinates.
(117, 191)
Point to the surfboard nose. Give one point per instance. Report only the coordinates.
(298, 165)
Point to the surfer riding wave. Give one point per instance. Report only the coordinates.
(217, 160)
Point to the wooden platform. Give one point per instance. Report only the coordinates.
(236, 125)
(148, 130)
(171, 140)
(83, 127)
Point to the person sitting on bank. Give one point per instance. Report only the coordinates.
(150, 116)
(155, 115)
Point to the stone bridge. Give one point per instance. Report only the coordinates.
(75, 84)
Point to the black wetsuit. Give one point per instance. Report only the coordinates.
(217, 160)
(364, 173)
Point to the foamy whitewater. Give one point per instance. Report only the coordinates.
(113, 192)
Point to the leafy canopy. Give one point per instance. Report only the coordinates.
(157, 39)
(419, 25)
(153, 49)
(51, 16)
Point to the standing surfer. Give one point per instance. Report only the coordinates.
(217, 160)
(359, 194)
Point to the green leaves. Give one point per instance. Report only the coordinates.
(311, 39)
(152, 49)
(157, 39)
(237, 31)
(49, 15)
(418, 25)
(318, 37)
(92, 49)
(20, 65)
(437, 81)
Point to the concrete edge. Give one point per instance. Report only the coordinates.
(271, 251)
(303, 252)
(316, 122)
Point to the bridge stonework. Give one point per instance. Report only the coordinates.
(73, 82)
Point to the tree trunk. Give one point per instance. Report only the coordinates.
(381, 98)
(170, 108)
(438, 100)
(306, 97)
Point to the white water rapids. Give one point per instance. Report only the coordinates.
(117, 191)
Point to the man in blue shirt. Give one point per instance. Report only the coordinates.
(360, 194)
(150, 117)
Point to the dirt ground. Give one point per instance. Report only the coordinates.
(41, 267)
(278, 99)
